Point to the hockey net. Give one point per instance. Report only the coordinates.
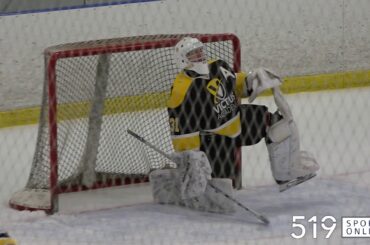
(93, 92)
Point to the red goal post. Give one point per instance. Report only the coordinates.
(93, 92)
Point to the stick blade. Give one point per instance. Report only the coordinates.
(264, 220)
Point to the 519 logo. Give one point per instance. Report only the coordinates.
(327, 223)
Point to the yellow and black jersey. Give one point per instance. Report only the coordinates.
(200, 104)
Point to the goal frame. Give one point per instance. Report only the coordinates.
(107, 46)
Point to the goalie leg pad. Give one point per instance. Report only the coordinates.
(195, 170)
(166, 189)
(287, 161)
(165, 186)
(279, 131)
(212, 200)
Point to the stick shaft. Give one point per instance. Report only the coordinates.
(141, 139)
(255, 213)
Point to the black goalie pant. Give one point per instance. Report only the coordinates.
(224, 153)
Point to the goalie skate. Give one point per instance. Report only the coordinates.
(289, 184)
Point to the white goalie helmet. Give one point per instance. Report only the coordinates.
(190, 54)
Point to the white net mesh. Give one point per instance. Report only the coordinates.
(100, 94)
(320, 49)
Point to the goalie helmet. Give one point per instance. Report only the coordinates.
(190, 55)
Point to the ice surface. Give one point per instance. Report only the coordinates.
(150, 223)
(333, 125)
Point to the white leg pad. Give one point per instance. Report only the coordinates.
(212, 200)
(287, 161)
(165, 186)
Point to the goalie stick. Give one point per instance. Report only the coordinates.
(251, 211)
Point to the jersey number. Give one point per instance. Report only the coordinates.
(174, 125)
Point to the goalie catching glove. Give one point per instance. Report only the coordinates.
(260, 80)
(188, 184)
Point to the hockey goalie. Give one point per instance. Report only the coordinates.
(208, 123)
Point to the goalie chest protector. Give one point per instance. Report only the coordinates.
(199, 104)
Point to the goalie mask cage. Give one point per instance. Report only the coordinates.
(93, 92)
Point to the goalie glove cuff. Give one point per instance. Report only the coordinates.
(260, 80)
